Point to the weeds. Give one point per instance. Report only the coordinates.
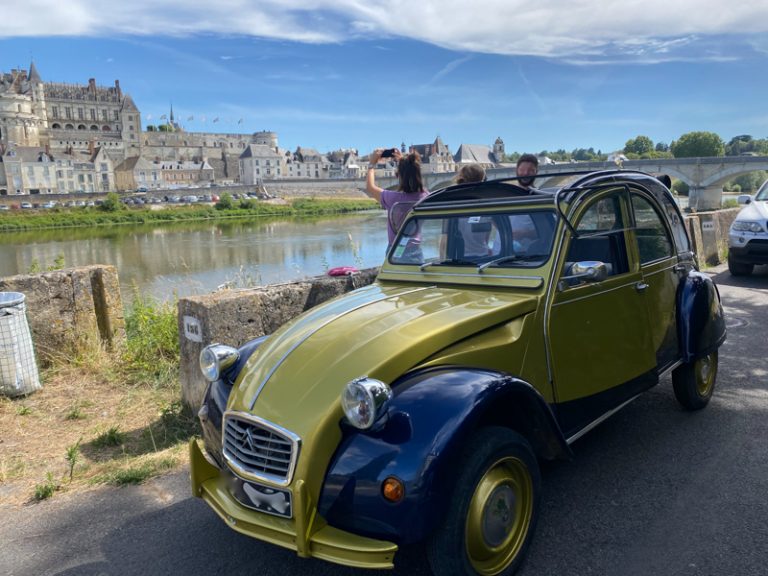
(46, 489)
(23, 410)
(73, 453)
(112, 437)
(136, 474)
(75, 413)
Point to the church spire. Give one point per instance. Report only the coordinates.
(34, 77)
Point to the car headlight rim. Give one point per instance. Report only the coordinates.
(215, 359)
(747, 226)
(364, 400)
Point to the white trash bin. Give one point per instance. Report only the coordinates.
(18, 369)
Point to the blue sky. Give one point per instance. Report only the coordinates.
(353, 74)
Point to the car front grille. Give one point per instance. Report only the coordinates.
(257, 449)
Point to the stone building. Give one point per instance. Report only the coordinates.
(136, 173)
(480, 154)
(29, 170)
(436, 158)
(260, 162)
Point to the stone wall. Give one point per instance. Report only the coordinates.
(237, 316)
(68, 304)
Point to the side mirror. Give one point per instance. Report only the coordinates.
(744, 198)
(584, 271)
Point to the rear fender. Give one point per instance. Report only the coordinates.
(700, 318)
(432, 413)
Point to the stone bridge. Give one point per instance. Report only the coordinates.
(704, 176)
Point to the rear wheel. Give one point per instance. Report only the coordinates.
(694, 382)
(494, 508)
(739, 268)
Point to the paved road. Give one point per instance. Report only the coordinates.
(654, 491)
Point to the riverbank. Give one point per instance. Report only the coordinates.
(13, 221)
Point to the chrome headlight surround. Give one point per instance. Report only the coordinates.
(746, 226)
(364, 400)
(216, 358)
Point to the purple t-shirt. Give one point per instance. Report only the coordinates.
(402, 203)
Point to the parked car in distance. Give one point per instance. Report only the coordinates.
(26, 205)
(504, 325)
(748, 235)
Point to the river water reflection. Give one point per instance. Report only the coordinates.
(182, 259)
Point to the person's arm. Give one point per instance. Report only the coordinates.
(370, 178)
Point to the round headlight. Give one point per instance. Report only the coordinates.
(216, 358)
(364, 400)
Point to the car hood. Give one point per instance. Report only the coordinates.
(755, 210)
(296, 377)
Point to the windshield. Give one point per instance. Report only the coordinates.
(502, 240)
(762, 194)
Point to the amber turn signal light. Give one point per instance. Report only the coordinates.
(393, 489)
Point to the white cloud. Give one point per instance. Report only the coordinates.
(632, 29)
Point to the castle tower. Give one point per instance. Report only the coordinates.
(19, 125)
(498, 149)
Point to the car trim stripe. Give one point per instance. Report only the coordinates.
(599, 420)
(332, 318)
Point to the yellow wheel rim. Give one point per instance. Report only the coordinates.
(705, 370)
(499, 516)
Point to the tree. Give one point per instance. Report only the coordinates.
(662, 147)
(111, 203)
(698, 144)
(225, 202)
(640, 145)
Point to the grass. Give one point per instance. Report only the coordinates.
(116, 414)
(17, 221)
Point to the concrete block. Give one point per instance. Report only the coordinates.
(66, 305)
(237, 316)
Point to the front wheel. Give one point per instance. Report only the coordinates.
(493, 508)
(694, 382)
(739, 268)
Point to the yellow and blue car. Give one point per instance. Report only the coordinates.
(505, 323)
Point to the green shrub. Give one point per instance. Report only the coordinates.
(152, 342)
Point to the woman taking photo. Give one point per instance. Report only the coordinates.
(410, 189)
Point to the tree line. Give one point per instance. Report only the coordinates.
(689, 145)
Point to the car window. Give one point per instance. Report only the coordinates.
(519, 239)
(653, 240)
(600, 237)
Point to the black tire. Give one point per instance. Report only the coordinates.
(739, 268)
(479, 536)
(694, 383)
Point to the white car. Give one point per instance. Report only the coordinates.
(748, 236)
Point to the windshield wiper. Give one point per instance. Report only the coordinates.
(512, 258)
(446, 262)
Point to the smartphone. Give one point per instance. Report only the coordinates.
(388, 153)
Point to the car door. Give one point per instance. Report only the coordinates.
(661, 274)
(599, 345)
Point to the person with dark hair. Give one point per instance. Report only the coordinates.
(527, 168)
(410, 188)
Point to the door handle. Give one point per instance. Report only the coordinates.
(641, 286)
(680, 268)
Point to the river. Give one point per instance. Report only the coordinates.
(182, 259)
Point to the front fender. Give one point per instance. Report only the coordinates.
(700, 318)
(430, 416)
